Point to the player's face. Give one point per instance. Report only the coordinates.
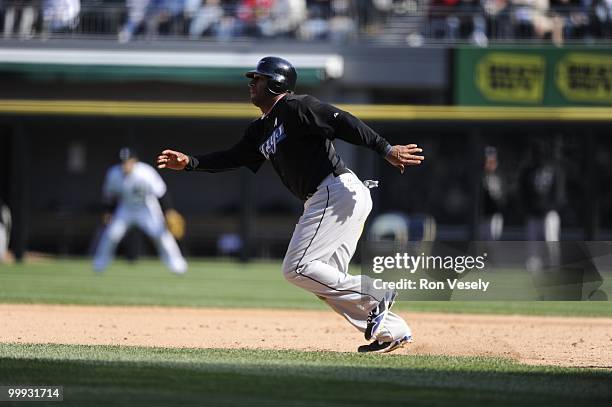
(490, 164)
(258, 90)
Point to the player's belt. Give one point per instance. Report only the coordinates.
(330, 179)
(341, 171)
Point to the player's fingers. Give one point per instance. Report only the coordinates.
(414, 150)
(412, 162)
(160, 166)
(410, 158)
(404, 151)
(407, 151)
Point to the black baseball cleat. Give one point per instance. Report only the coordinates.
(378, 316)
(384, 347)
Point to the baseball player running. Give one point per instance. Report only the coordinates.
(136, 189)
(295, 134)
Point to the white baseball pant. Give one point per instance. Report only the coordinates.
(321, 248)
(152, 222)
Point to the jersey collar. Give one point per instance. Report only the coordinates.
(263, 116)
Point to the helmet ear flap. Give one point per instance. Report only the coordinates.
(275, 87)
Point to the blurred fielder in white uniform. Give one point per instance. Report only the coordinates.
(136, 188)
(5, 230)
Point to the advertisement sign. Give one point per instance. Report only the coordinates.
(533, 76)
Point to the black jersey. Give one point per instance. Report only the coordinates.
(296, 137)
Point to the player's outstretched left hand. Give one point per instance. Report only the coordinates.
(402, 156)
(174, 160)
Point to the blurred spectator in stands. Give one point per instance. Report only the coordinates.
(498, 17)
(154, 17)
(265, 18)
(330, 20)
(151, 16)
(316, 26)
(226, 28)
(252, 16)
(60, 16)
(492, 221)
(532, 20)
(371, 14)
(394, 18)
(458, 19)
(602, 18)
(472, 22)
(443, 20)
(204, 16)
(137, 10)
(572, 17)
(582, 20)
(166, 18)
(25, 12)
(342, 24)
(286, 18)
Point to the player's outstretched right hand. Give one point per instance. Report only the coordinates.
(403, 156)
(174, 160)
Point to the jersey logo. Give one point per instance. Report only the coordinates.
(268, 147)
(336, 115)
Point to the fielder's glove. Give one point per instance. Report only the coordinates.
(176, 223)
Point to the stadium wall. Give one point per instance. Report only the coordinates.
(67, 156)
(68, 144)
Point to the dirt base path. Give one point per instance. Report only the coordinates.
(561, 341)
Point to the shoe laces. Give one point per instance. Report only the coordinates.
(372, 313)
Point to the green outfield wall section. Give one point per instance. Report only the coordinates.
(543, 76)
(70, 65)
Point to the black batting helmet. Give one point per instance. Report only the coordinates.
(282, 75)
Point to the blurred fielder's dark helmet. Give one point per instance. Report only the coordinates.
(282, 75)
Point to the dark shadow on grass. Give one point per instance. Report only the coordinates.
(240, 383)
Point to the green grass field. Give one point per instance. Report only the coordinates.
(134, 376)
(106, 375)
(215, 284)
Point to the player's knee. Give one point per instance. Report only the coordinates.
(293, 269)
(289, 268)
(115, 238)
(115, 233)
(290, 277)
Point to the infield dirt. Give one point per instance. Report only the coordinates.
(559, 341)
